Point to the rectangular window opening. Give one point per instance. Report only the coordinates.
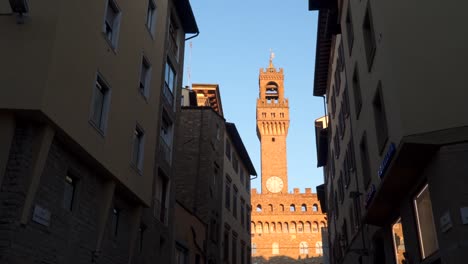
(69, 193)
(425, 222)
(380, 118)
(138, 145)
(112, 22)
(369, 36)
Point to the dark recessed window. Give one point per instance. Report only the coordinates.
(363, 149)
(349, 29)
(69, 193)
(369, 36)
(115, 221)
(357, 92)
(380, 118)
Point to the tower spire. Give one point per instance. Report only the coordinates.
(272, 56)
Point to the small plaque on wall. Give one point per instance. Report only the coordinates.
(445, 222)
(41, 215)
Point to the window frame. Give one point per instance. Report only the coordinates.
(151, 15)
(102, 87)
(137, 157)
(73, 182)
(423, 254)
(114, 25)
(145, 77)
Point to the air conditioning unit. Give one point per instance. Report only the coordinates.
(19, 6)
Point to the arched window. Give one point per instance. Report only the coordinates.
(318, 248)
(252, 227)
(254, 248)
(303, 248)
(280, 228)
(275, 248)
(292, 229)
(259, 228)
(285, 227)
(272, 227)
(315, 227)
(300, 227)
(266, 228)
(315, 208)
(307, 227)
(259, 208)
(304, 208)
(292, 208)
(282, 208)
(270, 206)
(322, 225)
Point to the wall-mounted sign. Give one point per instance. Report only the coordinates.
(41, 215)
(386, 160)
(445, 222)
(370, 195)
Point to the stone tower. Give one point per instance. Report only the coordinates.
(272, 129)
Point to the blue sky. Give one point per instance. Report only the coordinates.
(234, 42)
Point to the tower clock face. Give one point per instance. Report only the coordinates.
(274, 184)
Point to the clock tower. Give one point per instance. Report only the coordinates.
(272, 129)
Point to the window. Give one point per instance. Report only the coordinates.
(138, 148)
(169, 82)
(228, 149)
(333, 105)
(304, 208)
(242, 256)
(166, 136)
(336, 142)
(275, 248)
(173, 38)
(300, 227)
(315, 208)
(112, 23)
(349, 29)
(115, 221)
(345, 105)
(235, 163)
(303, 248)
(266, 228)
(145, 77)
(292, 208)
(141, 235)
(341, 120)
(259, 228)
(285, 227)
(242, 175)
(292, 228)
(247, 219)
(227, 202)
(365, 160)
(425, 222)
(181, 254)
(318, 248)
(234, 202)
(151, 17)
(341, 187)
(380, 118)
(253, 227)
(254, 248)
(270, 207)
(69, 193)
(315, 227)
(226, 245)
(247, 182)
(214, 230)
(307, 227)
(273, 227)
(242, 213)
(357, 92)
(338, 79)
(398, 241)
(259, 208)
(369, 36)
(160, 198)
(234, 248)
(100, 108)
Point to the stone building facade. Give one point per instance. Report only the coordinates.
(86, 129)
(394, 141)
(212, 180)
(286, 227)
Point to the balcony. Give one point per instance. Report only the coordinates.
(160, 211)
(165, 151)
(169, 97)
